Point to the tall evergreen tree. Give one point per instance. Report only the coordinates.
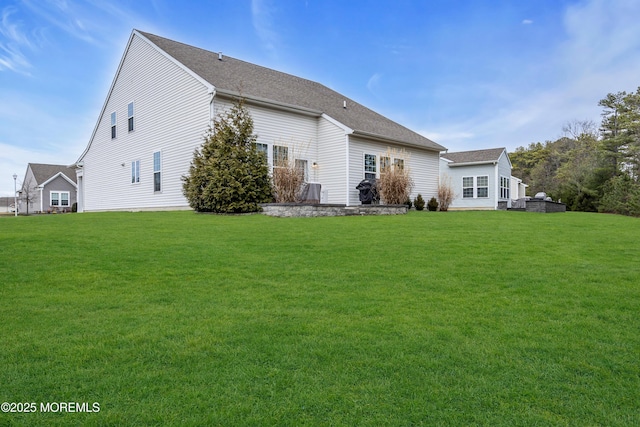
(228, 174)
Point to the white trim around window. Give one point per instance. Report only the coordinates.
(130, 123)
(505, 187)
(59, 199)
(475, 187)
(135, 172)
(113, 125)
(157, 171)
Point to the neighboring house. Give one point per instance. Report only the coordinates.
(48, 188)
(480, 179)
(166, 94)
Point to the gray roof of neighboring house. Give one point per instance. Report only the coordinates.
(489, 155)
(253, 81)
(42, 172)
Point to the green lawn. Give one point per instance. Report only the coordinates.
(435, 319)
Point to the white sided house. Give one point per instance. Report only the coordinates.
(166, 94)
(481, 179)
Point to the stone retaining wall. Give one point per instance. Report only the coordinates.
(545, 206)
(313, 210)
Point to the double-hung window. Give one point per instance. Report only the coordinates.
(59, 198)
(370, 168)
(301, 166)
(475, 187)
(113, 125)
(262, 148)
(157, 171)
(467, 187)
(482, 183)
(130, 116)
(280, 156)
(135, 171)
(385, 164)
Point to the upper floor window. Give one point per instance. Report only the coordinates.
(157, 171)
(113, 125)
(130, 115)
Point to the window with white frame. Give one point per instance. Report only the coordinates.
(370, 166)
(135, 171)
(505, 187)
(280, 156)
(262, 148)
(301, 165)
(475, 187)
(385, 164)
(59, 198)
(130, 116)
(157, 171)
(398, 163)
(482, 186)
(113, 125)
(467, 187)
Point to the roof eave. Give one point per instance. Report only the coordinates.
(386, 139)
(484, 162)
(269, 103)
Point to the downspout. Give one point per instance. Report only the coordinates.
(497, 186)
(346, 136)
(212, 112)
(41, 201)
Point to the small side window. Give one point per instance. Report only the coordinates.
(113, 125)
(130, 116)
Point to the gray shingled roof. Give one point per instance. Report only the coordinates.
(489, 155)
(43, 172)
(253, 81)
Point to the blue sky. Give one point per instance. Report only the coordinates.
(469, 74)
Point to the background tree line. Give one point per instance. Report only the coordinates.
(590, 168)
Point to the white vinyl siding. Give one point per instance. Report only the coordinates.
(466, 195)
(423, 166)
(331, 170)
(171, 115)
